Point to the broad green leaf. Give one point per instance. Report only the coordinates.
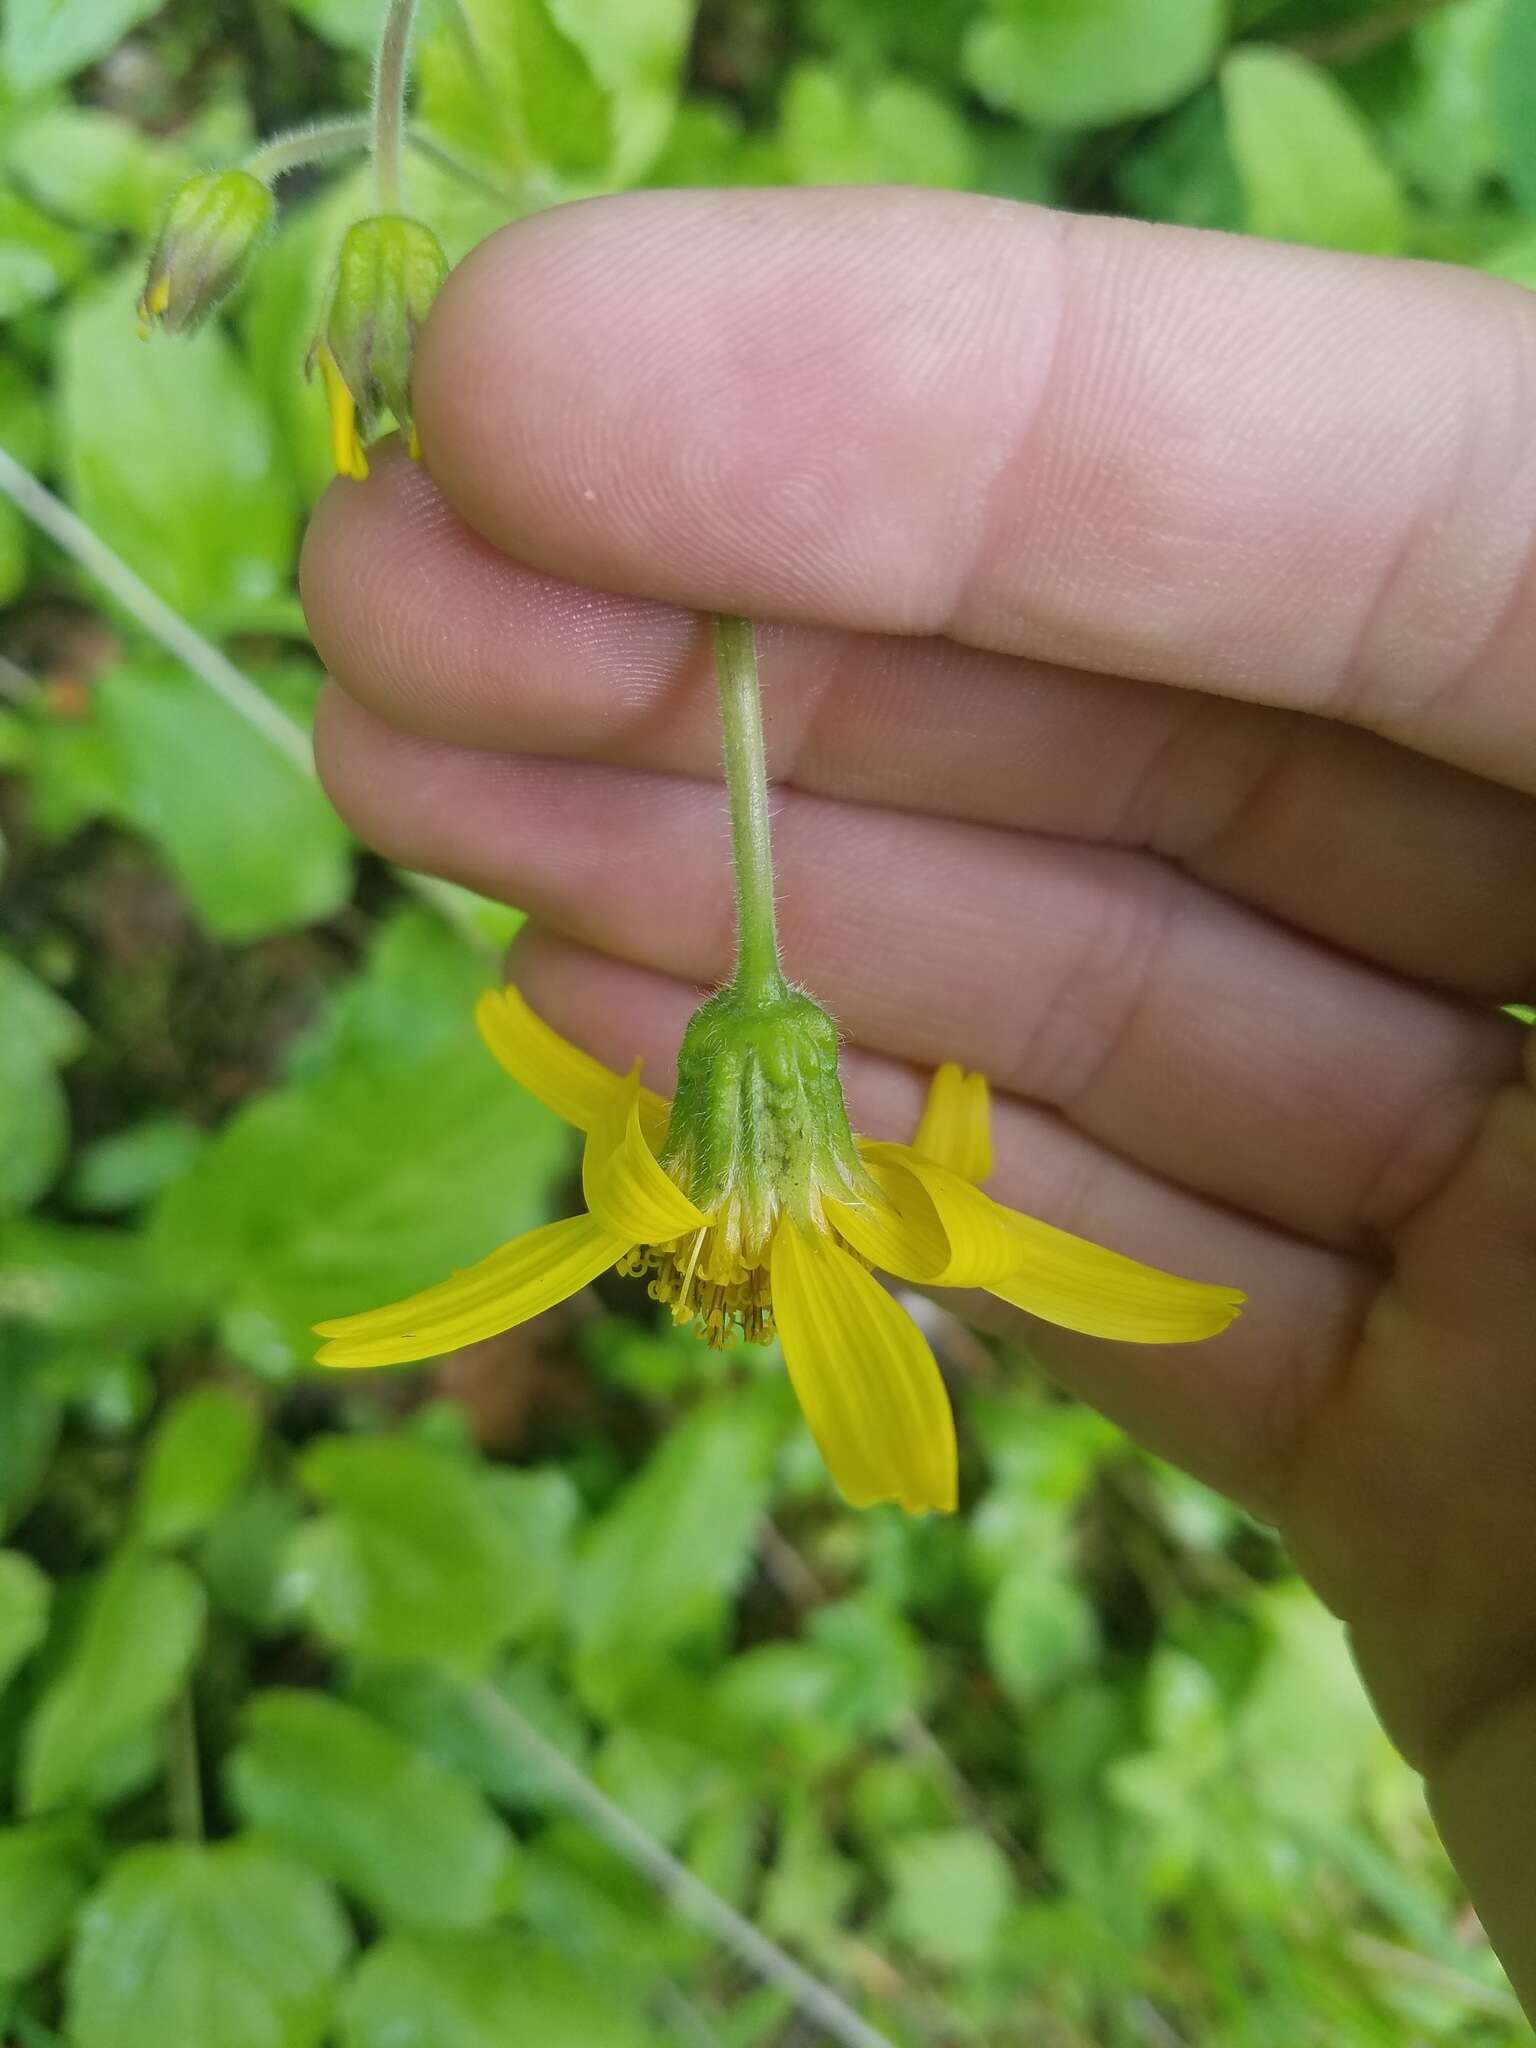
(1444, 133)
(83, 1283)
(34, 1124)
(244, 1559)
(26, 1592)
(127, 1167)
(31, 1412)
(403, 1153)
(540, 1511)
(1083, 63)
(169, 454)
(480, 1991)
(38, 257)
(1306, 158)
(42, 41)
(411, 1841)
(1040, 1629)
(894, 133)
(412, 1560)
(951, 1893)
(1514, 95)
(196, 1462)
(46, 1868)
(191, 1947)
(349, 24)
(95, 169)
(1184, 172)
(250, 836)
(871, 34)
(1306, 1733)
(41, 1033)
(504, 80)
(638, 50)
(662, 1564)
(810, 1886)
(454, 1720)
(135, 1645)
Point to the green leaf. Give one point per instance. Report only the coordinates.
(479, 1991)
(951, 1893)
(1444, 134)
(1306, 158)
(82, 1283)
(93, 168)
(136, 1642)
(895, 133)
(228, 1947)
(250, 836)
(417, 1845)
(413, 1560)
(31, 1413)
(402, 1153)
(349, 24)
(1040, 1629)
(520, 91)
(540, 1511)
(196, 1462)
(1084, 63)
(245, 1559)
(1514, 94)
(171, 456)
(127, 1167)
(26, 1593)
(38, 257)
(45, 1870)
(41, 1033)
(663, 1563)
(42, 41)
(453, 1720)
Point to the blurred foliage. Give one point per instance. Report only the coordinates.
(1083, 1766)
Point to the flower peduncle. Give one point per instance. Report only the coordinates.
(758, 976)
(391, 70)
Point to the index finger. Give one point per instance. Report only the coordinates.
(1300, 478)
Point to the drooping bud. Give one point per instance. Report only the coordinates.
(759, 1127)
(213, 229)
(389, 271)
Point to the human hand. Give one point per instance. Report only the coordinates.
(1151, 701)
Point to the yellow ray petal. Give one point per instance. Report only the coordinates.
(562, 1076)
(626, 1186)
(525, 1277)
(864, 1376)
(1082, 1286)
(956, 1126)
(980, 1237)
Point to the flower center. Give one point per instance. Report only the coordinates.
(702, 1283)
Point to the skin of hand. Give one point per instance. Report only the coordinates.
(1150, 679)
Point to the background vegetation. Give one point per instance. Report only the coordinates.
(278, 1652)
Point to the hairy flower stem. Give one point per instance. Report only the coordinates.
(758, 973)
(390, 71)
(314, 143)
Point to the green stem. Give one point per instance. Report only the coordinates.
(315, 143)
(758, 972)
(391, 68)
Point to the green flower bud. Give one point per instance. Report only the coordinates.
(759, 1128)
(214, 226)
(388, 273)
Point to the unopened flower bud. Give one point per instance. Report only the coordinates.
(214, 226)
(387, 275)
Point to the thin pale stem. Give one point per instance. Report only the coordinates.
(746, 778)
(390, 72)
(815, 2001)
(212, 668)
(317, 142)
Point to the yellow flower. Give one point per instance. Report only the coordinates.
(790, 1258)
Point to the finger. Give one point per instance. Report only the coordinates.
(1374, 848)
(1210, 1045)
(1225, 1410)
(1202, 459)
